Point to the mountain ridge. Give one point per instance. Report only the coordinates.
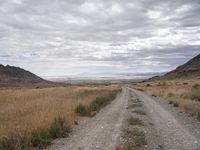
(191, 69)
(14, 75)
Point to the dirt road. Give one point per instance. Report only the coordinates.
(173, 131)
(103, 131)
(100, 132)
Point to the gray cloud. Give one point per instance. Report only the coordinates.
(65, 36)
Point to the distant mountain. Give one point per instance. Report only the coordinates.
(16, 75)
(114, 74)
(146, 74)
(191, 69)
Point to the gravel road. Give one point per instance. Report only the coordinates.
(100, 132)
(165, 129)
(173, 131)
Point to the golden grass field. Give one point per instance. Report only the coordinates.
(25, 110)
(186, 93)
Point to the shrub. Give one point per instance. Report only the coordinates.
(176, 104)
(148, 85)
(43, 137)
(192, 94)
(196, 86)
(40, 138)
(59, 128)
(153, 95)
(82, 110)
(7, 143)
(170, 102)
(14, 143)
(96, 105)
(135, 121)
(99, 103)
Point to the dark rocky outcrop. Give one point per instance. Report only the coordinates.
(13, 75)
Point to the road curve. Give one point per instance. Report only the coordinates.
(173, 134)
(100, 132)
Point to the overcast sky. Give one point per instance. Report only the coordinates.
(66, 37)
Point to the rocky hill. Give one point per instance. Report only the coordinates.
(16, 75)
(189, 70)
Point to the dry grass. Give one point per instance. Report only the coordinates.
(135, 105)
(134, 140)
(25, 110)
(186, 93)
(135, 121)
(140, 112)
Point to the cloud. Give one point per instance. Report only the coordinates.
(67, 36)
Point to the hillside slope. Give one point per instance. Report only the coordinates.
(16, 75)
(189, 70)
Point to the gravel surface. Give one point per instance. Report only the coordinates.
(127, 140)
(174, 132)
(100, 132)
(165, 127)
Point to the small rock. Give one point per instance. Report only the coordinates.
(76, 122)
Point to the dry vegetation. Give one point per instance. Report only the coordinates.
(181, 93)
(95, 106)
(134, 140)
(25, 110)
